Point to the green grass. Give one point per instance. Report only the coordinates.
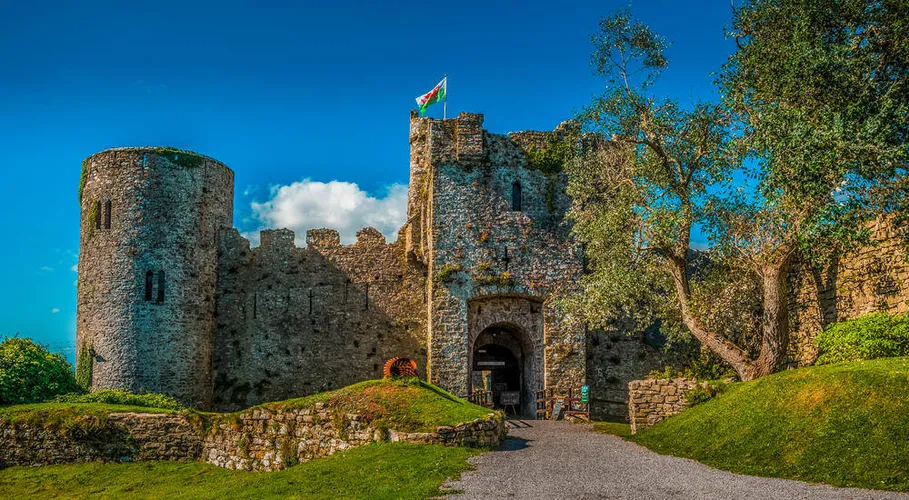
(374, 471)
(616, 429)
(843, 424)
(409, 405)
(56, 414)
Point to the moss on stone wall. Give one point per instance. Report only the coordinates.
(93, 214)
(83, 178)
(446, 273)
(551, 158)
(185, 159)
(84, 367)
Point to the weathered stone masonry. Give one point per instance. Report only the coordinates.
(258, 439)
(868, 279)
(173, 300)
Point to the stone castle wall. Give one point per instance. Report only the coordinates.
(296, 321)
(239, 326)
(872, 278)
(478, 248)
(148, 211)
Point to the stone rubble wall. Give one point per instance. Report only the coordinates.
(293, 321)
(259, 439)
(651, 401)
(869, 279)
(120, 437)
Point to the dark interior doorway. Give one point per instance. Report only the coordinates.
(501, 366)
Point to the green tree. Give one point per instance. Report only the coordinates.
(821, 89)
(30, 373)
(637, 199)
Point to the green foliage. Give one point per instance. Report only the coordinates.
(823, 94)
(83, 178)
(446, 273)
(552, 157)
(185, 159)
(844, 424)
(124, 398)
(875, 335)
(381, 471)
(85, 366)
(30, 373)
(551, 195)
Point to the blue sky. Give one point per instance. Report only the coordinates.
(289, 97)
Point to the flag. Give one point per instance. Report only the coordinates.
(435, 95)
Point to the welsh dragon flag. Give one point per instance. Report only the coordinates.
(433, 96)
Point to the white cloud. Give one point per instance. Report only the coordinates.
(336, 205)
(46, 269)
(75, 268)
(55, 310)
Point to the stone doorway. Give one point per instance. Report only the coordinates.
(503, 365)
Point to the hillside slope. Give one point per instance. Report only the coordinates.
(844, 424)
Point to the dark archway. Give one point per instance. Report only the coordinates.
(502, 362)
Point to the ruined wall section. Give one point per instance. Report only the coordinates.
(872, 278)
(296, 321)
(157, 211)
(477, 246)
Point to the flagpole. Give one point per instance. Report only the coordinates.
(445, 104)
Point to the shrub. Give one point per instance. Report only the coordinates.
(30, 373)
(115, 397)
(875, 335)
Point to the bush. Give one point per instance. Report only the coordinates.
(115, 397)
(29, 373)
(705, 393)
(875, 335)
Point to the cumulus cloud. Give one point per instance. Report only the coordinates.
(337, 205)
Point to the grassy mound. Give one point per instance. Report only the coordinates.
(843, 424)
(375, 471)
(409, 405)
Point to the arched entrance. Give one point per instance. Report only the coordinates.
(502, 363)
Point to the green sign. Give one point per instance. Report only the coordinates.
(585, 394)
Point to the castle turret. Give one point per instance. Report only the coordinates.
(150, 219)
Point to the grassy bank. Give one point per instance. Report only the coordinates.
(410, 405)
(374, 471)
(844, 424)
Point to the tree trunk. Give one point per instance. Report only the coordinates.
(775, 320)
(733, 355)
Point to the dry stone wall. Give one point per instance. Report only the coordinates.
(258, 439)
(652, 401)
(872, 278)
(120, 437)
(297, 321)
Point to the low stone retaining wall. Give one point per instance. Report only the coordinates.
(650, 401)
(259, 440)
(116, 437)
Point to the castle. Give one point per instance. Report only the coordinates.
(172, 299)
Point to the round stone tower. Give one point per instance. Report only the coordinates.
(150, 220)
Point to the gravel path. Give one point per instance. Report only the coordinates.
(542, 459)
